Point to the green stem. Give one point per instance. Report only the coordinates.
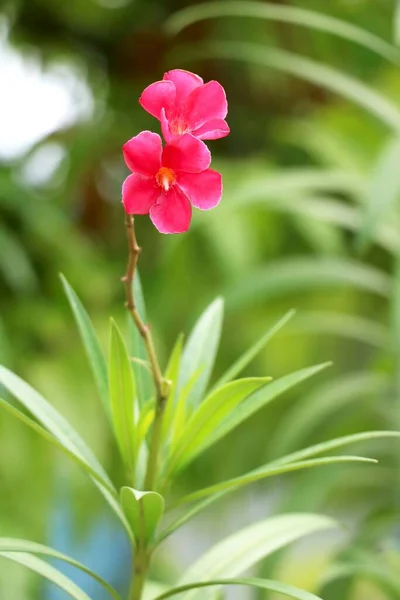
(140, 565)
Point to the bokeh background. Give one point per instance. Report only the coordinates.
(309, 220)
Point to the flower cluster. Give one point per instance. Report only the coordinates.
(167, 181)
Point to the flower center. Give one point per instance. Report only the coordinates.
(165, 178)
(179, 127)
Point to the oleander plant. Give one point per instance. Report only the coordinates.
(163, 419)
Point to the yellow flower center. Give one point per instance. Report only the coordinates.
(165, 178)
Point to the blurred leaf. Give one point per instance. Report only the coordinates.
(240, 551)
(292, 275)
(137, 349)
(307, 415)
(374, 572)
(91, 344)
(397, 23)
(383, 191)
(24, 546)
(265, 584)
(267, 471)
(15, 263)
(143, 511)
(200, 351)
(122, 395)
(248, 356)
(208, 417)
(342, 325)
(48, 572)
(319, 74)
(181, 412)
(286, 14)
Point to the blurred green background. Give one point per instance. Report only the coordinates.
(309, 220)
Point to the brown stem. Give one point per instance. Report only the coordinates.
(162, 386)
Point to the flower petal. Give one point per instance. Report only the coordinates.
(165, 130)
(186, 153)
(142, 153)
(184, 81)
(173, 212)
(156, 96)
(139, 194)
(206, 103)
(204, 190)
(212, 130)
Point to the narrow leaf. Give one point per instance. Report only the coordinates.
(48, 572)
(264, 584)
(247, 547)
(25, 546)
(181, 411)
(268, 471)
(91, 344)
(171, 374)
(143, 511)
(50, 418)
(200, 351)
(285, 14)
(258, 400)
(50, 438)
(248, 356)
(209, 415)
(383, 192)
(122, 395)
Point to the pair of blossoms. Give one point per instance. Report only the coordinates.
(167, 181)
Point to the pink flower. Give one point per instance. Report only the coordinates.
(166, 182)
(185, 104)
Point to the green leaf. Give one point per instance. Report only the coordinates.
(143, 511)
(91, 344)
(248, 356)
(26, 546)
(52, 421)
(285, 14)
(268, 471)
(397, 23)
(333, 445)
(137, 349)
(50, 438)
(209, 415)
(311, 412)
(317, 73)
(200, 351)
(122, 395)
(260, 399)
(171, 374)
(383, 192)
(181, 412)
(293, 275)
(264, 584)
(48, 572)
(377, 573)
(245, 548)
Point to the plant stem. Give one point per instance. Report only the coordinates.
(140, 564)
(162, 386)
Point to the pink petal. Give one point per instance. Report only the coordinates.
(185, 82)
(206, 103)
(204, 190)
(142, 153)
(212, 130)
(165, 130)
(173, 212)
(186, 153)
(156, 96)
(139, 194)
